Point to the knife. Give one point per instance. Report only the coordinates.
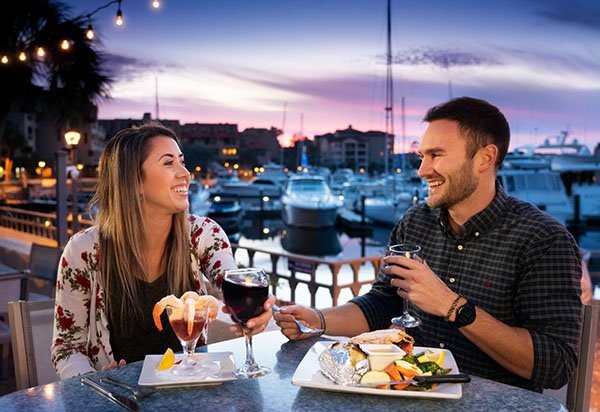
(420, 380)
(120, 400)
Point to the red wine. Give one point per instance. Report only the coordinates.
(180, 327)
(244, 296)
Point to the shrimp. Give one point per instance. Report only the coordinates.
(160, 307)
(190, 301)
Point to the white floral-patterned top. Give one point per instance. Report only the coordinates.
(81, 341)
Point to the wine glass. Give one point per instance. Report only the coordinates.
(409, 250)
(189, 326)
(245, 292)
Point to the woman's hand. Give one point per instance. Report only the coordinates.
(114, 364)
(255, 325)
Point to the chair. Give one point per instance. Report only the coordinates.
(31, 324)
(579, 388)
(13, 286)
(41, 272)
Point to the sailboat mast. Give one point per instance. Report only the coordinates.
(156, 98)
(389, 94)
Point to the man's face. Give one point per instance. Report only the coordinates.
(445, 166)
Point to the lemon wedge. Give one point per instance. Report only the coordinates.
(167, 361)
(440, 360)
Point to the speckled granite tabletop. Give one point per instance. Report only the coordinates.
(273, 392)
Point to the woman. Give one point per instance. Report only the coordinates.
(144, 246)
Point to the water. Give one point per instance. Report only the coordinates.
(268, 232)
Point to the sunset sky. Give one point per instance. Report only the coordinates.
(321, 63)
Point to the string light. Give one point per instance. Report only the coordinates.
(119, 20)
(65, 44)
(90, 30)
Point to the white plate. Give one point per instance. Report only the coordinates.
(308, 374)
(222, 362)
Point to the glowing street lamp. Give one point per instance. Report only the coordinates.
(72, 139)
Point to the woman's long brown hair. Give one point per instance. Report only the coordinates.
(122, 226)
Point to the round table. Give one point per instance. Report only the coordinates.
(273, 392)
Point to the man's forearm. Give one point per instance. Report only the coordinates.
(511, 347)
(345, 320)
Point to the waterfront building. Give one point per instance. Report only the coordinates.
(112, 126)
(220, 140)
(261, 144)
(353, 149)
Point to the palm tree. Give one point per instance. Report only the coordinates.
(63, 85)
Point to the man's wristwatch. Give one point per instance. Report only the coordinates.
(465, 315)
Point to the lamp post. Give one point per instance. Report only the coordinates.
(72, 139)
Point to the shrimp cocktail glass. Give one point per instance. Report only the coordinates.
(245, 292)
(190, 325)
(189, 317)
(410, 251)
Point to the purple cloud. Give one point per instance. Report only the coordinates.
(444, 58)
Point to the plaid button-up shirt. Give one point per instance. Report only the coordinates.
(515, 262)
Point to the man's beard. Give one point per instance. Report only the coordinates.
(459, 186)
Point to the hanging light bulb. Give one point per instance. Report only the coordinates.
(90, 32)
(65, 45)
(156, 4)
(41, 52)
(119, 20)
(4, 59)
(22, 56)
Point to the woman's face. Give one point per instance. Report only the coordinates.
(165, 179)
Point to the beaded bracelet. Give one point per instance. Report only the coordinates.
(322, 319)
(452, 307)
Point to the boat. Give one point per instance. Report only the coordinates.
(556, 153)
(227, 211)
(384, 209)
(308, 202)
(269, 183)
(542, 188)
(570, 165)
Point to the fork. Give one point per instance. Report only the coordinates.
(301, 326)
(137, 392)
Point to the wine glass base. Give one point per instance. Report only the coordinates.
(406, 321)
(254, 371)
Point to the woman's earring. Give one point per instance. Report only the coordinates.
(141, 198)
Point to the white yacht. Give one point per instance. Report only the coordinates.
(270, 182)
(308, 202)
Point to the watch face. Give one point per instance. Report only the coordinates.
(465, 315)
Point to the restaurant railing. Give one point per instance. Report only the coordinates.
(28, 221)
(291, 273)
(295, 278)
(36, 223)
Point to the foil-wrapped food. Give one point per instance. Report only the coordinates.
(344, 364)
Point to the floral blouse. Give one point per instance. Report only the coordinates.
(81, 341)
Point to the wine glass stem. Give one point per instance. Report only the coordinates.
(249, 351)
(188, 349)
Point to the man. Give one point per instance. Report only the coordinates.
(499, 280)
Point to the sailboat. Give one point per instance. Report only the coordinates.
(385, 208)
